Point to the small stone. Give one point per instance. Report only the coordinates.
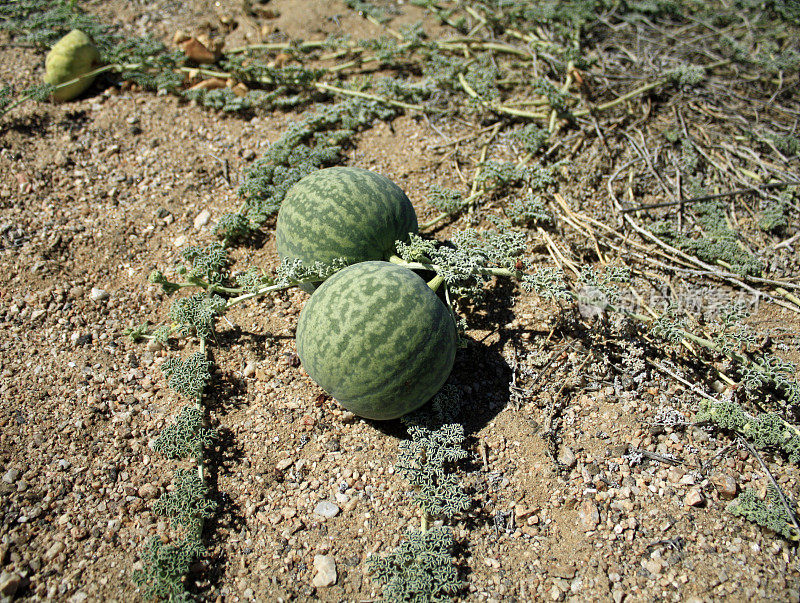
(249, 155)
(197, 52)
(284, 464)
(561, 571)
(342, 498)
(326, 509)
(37, 314)
(148, 491)
(653, 566)
(325, 571)
(9, 583)
(249, 369)
(98, 294)
(556, 594)
(180, 36)
(79, 532)
(180, 241)
(54, 551)
(348, 417)
(202, 219)
(11, 476)
(154, 345)
(694, 498)
(589, 515)
(567, 457)
(725, 485)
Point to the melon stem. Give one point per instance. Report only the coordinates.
(436, 282)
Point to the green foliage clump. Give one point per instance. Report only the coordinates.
(165, 565)
(775, 216)
(253, 279)
(668, 326)
(686, 75)
(769, 513)
(444, 199)
(787, 144)
(186, 437)
(207, 263)
(532, 138)
(188, 377)
(442, 71)
(498, 175)
(555, 97)
(718, 242)
(195, 314)
(766, 430)
(427, 460)
(420, 569)
(43, 22)
(547, 283)
(466, 264)
(768, 371)
(188, 503)
(293, 271)
(528, 211)
(482, 76)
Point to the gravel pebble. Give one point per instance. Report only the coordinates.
(97, 294)
(9, 583)
(694, 498)
(11, 476)
(325, 571)
(326, 509)
(202, 219)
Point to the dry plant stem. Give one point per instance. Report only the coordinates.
(498, 108)
(336, 90)
(621, 99)
(725, 276)
(552, 245)
(761, 462)
(742, 191)
(680, 379)
(92, 73)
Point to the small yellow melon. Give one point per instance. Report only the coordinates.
(72, 56)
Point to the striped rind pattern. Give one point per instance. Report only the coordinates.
(343, 212)
(378, 339)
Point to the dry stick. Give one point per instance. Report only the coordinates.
(587, 220)
(775, 485)
(680, 379)
(335, 89)
(621, 99)
(646, 158)
(742, 191)
(466, 202)
(697, 262)
(552, 244)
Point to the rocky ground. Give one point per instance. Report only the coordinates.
(97, 192)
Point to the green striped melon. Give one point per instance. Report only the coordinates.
(343, 212)
(377, 339)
